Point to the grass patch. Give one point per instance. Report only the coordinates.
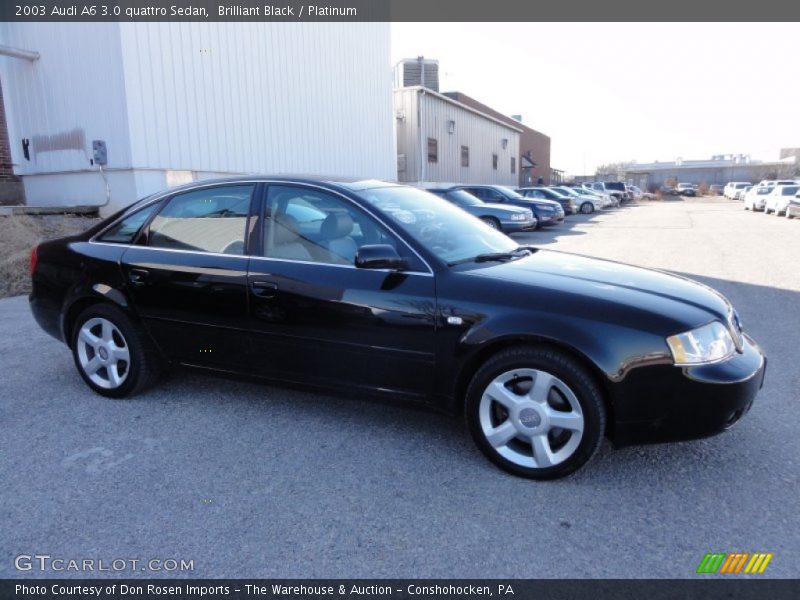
(19, 234)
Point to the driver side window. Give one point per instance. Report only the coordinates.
(309, 225)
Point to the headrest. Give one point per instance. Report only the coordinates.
(337, 225)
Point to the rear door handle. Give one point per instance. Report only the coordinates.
(264, 289)
(138, 276)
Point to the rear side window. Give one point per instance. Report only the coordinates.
(206, 220)
(124, 232)
(790, 190)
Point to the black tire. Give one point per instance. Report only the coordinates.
(587, 208)
(145, 365)
(492, 222)
(568, 370)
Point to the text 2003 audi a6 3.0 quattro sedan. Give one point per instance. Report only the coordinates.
(366, 285)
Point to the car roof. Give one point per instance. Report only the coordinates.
(350, 183)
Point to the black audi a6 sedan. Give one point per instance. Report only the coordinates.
(387, 289)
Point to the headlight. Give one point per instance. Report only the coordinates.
(706, 344)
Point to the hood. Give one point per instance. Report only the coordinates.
(505, 208)
(544, 203)
(612, 291)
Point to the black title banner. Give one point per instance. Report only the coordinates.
(396, 589)
(397, 10)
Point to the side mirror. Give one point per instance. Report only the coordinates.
(379, 256)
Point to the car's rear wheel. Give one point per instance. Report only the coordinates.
(535, 412)
(491, 222)
(113, 355)
(587, 208)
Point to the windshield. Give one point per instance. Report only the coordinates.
(463, 198)
(566, 191)
(447, 231)
(510, 193)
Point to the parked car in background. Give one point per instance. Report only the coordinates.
(740, 193)
(756, 197)
(546, 212)
(686, 189)
(793, 209)
(581, 196)
(729, 191)
(668, 190)
(566, 201)
(640, 194)
(606, 197)
(612, 188)
(508, 219)
(398, 294)
(716, 189)
(778, 199)
(583, 203)
(620, 188)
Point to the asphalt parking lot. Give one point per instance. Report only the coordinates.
(249, 480)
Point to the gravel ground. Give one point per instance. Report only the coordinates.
(249, 480)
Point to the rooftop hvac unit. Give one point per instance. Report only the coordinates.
(417, 71)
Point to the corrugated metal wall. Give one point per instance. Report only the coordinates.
(483, 136)
(276, 97)
(73, 94)
(204, 97)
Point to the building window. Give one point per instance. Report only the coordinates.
(494, 161)
(513, 164)
(433, 150)
(464, 156)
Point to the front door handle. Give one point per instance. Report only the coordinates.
(138, 276)
(264, 289)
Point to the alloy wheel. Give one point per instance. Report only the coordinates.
(531, 418)
(103, 353)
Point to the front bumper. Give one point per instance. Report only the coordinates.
(663, 403)
(515, 226)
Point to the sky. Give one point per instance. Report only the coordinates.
(628, 91)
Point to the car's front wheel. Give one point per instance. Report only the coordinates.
(535, 412)
(491, 222)
(113, 355)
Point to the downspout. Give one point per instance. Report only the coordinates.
(18, 53)
(421, 137)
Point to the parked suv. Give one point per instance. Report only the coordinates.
(686, 189)
(615, 189)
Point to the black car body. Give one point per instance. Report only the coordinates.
(506, 218)
(547, 212)
(375, 287)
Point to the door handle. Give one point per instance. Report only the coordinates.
(138, 276)
(264, 289)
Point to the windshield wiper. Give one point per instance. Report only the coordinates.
(518, 252)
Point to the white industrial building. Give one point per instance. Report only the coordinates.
(171, 102)
(440, 139)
